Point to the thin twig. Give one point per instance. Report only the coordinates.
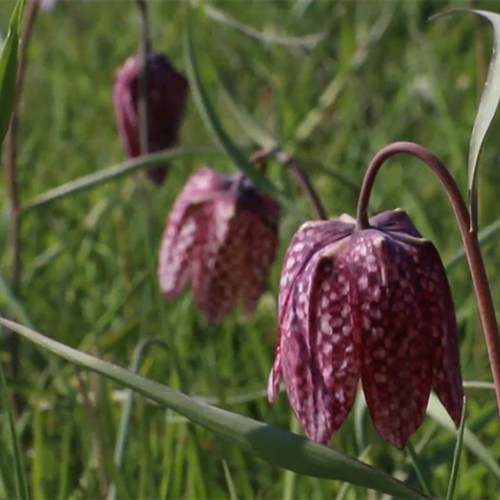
(95, 434)
(145, 49)
(10, 167)
(301, 178)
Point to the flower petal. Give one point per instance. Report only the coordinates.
(392, 330)
(166, 99)
(261, 243)
(126, 114)
(217, 267)
(317, 348)
(447, 382)
(184, 229)
(394, 221)
(311, 237)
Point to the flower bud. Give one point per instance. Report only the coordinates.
(166, 98)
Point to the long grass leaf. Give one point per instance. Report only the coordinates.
(276, 446)
(111, 173)
(424, 479)
(214, 124)
(267, 142)
(12, 303)
(307, 41)
(456, 456)
(488, 105)
(126, 415)
(472, 443)
(8, 68)
(21, 484)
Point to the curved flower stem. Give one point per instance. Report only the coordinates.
(469, 237)
(301, 178)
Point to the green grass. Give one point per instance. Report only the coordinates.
(381, 74)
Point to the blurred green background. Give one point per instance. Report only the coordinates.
(379, 73)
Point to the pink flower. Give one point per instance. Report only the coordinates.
(222, 236)
(167, 94)
(373, 304)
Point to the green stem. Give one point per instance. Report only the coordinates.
(422, 476)
(121, 439)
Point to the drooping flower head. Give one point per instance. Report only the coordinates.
(221, 235)
(371, 304)
(167, 94)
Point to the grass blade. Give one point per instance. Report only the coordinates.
(267, 142)
(276, 446)
(214, 125)
(488, 105)
(8, 68)
(439, 414)
(456, 456)
(12, 303)
(421, 474)
(229, 481)
(20, 482)
(111, 173)
(308, 41)
(484, 236)
(126, 415)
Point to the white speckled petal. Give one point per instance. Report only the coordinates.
(259, 253)
(310, 238)
(392, 330)
(183, 230)
(217, 266)
(319, 362)
(447, 382)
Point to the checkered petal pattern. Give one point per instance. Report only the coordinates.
(371, 305)
(221, 235)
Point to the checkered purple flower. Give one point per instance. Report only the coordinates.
(221, 236)
(372, 304)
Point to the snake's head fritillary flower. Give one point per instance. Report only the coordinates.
(167, 94)
(221, 235)
(373, 304)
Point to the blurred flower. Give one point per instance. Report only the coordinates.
(373, 304)
(222, 236)
(48, 4)
(167, 94)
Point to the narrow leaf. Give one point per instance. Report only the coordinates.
(20, 482)
(423, 476)
(126, 416)
(214, 124)
(439, 414)
(111, 173)
(488, 105)
(267, 142)
(278, 447)
(307, 41)
(8, 68)
(13, 305)
(456, 456)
